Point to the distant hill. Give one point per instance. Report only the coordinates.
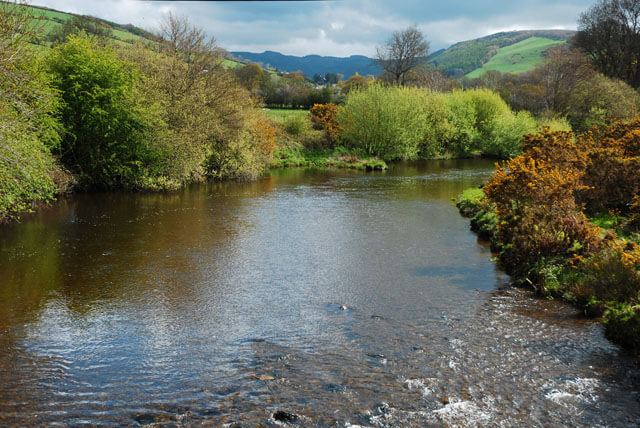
(465, 57)
(512, 51)
(53, 20)
(458, 60)
(312, 64)
(521, 56)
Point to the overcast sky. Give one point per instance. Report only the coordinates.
(337, 28)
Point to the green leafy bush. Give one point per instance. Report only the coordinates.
(463, 117)
(507, 131)
(295, 125)
(106, 140)
(389, 122)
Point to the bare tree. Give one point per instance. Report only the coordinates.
(404, 51)
(609, 33)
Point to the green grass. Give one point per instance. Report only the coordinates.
(519, 57)
(231, 64)
(50, 20)
(283, 114)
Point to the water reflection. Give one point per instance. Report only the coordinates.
(341, 296)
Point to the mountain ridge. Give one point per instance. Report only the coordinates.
(457, 60)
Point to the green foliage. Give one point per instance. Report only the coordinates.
(106, 130)
(506, 136)
(296, 125)
(28, 172)
(469, 201)
(440, 124)
(406, 123)
(622, 321)
(389, 122)
(463, 116)
(601, 100)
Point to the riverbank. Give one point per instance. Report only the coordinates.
(558, 227)
(339, 157)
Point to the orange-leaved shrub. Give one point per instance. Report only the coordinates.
(325, 116)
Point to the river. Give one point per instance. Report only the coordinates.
(323, 297)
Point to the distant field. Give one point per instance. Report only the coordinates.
(231, 64)
(283, 114)
(521, 56)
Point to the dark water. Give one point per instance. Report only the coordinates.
(344, 298)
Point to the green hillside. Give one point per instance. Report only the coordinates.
(465, 57)
(522, 56)
(49, 21)
(53, 20)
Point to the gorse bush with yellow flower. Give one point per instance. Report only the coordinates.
(541, 202)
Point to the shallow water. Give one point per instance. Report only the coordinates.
(340, 297)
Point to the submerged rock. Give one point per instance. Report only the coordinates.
(282, 416)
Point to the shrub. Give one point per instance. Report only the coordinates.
(611, 175)
(325, 116)
(389, 122)
(613, 273)
(439, 129)
(295, 125)
(489, 109)
(506, 134)
(537, 213)
(465, 138)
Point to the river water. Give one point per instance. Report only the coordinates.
(325, 298)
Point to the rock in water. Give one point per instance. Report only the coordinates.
(282, 416)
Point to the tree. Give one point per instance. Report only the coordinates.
(28, 129)
(609, 33)
(403, 52)
(355, 82)
(251, 76)
(106, 129)
(331, 78)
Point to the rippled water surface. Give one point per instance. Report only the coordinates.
(340, 298)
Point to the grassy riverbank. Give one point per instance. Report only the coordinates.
(564, 218)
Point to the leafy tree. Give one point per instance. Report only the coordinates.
(332, 78)
(403, 52)
(105, 127)
(610, 34)
(209, 124)
(355, 82)
(28, 172)
(251, 76)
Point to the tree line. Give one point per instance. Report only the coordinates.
(96, 114)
